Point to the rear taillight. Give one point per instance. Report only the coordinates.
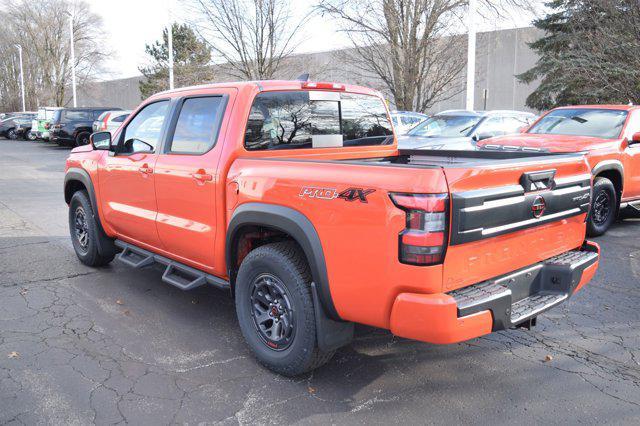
(424, 240)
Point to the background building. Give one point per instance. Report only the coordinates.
(500, 56)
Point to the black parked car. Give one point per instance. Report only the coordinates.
(73, 126)
(8, 125)
(24, 125)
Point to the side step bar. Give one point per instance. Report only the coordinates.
(177, 274)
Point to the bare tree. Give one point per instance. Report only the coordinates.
(415, 47)
(42, 29)
(402, 43)
(254, 37)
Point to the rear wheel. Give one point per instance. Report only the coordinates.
(82, 139)
(85, 234)
(275, 309)
(604, 207)
(31, 136)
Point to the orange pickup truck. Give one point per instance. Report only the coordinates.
(294, 197)
(609, 135)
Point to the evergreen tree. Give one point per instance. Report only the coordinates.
(191, 61)
(589, 54)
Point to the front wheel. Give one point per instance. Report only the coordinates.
(604, 207)
(275, 309)
(86, 237)
(12, 134)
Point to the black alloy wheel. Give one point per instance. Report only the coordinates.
(81, 228)
(601, 208)
(272, 312)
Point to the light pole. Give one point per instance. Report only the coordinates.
(170, 47)
(471, 55)
(170, 44)
(73, 60)
(24, 105)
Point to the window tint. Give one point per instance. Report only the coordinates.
(285, 120)
(143, 132)
(602, 123)
(78, 115)
(197, 125)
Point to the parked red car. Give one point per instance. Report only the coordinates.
(610, 136)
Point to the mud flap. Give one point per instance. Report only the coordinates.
(331, 334)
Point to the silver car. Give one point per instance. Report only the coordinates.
(110, 121)
(460, 129)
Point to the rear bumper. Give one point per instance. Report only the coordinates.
(496, 304)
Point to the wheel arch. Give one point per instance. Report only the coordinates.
(289, 222)
(612, 170)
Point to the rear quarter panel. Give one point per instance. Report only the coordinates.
(359, 240)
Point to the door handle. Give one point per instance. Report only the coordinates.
(202, 176)
(145, 169)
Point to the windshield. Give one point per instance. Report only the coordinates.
(600, 123)
(446, 126)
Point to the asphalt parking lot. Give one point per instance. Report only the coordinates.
(115, 345)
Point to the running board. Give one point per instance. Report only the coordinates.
(177, 274)
(634, 205)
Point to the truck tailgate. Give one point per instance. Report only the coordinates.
(510, 214)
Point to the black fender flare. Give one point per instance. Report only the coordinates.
(608, 165)
(297, 225)
(75, 174)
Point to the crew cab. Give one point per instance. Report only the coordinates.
(293, 196)
(610, 137)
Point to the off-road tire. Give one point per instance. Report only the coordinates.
(88, 252)
(285, 261)
(604, 197)
(82, 139)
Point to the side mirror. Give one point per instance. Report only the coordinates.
(100, 140)
(635, 138)
(523, 129)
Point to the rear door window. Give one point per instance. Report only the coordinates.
(197, 126)
(299, 119)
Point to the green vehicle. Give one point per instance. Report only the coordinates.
(45, 114)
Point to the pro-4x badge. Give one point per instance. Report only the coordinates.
(353, 194)
(350, 194)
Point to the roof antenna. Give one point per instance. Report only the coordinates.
(303, 77)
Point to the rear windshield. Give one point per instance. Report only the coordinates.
(287, 120)
(72, 115)
(600, 123)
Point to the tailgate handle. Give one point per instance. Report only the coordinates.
(538, 181)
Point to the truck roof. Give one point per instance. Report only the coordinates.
(269, 85)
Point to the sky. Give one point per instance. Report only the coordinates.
(130, 24)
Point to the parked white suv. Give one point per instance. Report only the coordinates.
(109, 121)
